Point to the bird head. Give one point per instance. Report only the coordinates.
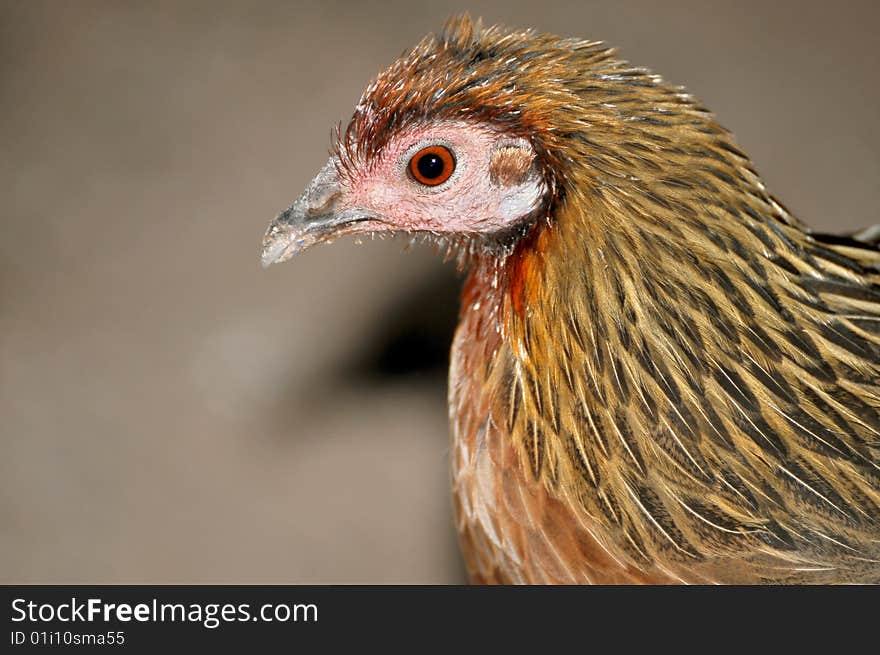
(439, 178)
(472, 137)
(478, 136)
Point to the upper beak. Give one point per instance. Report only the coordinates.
(319, 213)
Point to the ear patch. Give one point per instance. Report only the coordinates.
(510, 165)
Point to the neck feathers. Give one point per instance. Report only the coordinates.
(658, 357)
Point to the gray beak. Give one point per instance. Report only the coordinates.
(317, 214)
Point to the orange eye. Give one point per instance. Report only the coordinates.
(432, 165)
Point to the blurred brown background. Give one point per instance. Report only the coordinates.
(169, 412)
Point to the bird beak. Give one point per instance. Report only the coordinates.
(318, 214)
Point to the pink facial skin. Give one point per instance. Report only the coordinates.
(381, 195)
(469, 201)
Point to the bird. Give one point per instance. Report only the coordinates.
(659, 375)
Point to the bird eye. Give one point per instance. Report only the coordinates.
(432, 166)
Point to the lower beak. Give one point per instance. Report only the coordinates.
(318, 214)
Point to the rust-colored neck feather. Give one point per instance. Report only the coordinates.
(676, 358)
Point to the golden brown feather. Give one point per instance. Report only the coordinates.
(663, 376)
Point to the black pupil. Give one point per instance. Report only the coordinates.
(430, 166)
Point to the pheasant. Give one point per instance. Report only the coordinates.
(660, 375)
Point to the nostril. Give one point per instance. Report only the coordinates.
(324, 193)
(323, 203)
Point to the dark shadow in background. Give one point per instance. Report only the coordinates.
(414, 336)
